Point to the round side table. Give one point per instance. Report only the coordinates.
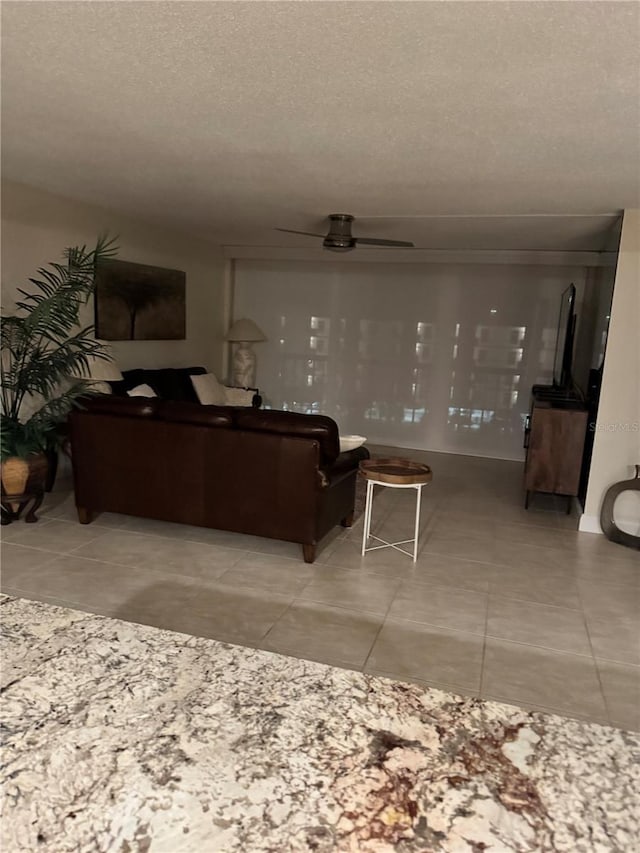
(394, 473)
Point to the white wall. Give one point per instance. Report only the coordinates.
(37, 227)
(616, 448)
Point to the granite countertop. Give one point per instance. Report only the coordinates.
(121, 737)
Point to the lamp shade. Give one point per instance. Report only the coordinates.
(245, 330)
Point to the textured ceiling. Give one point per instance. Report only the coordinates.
(228, 118)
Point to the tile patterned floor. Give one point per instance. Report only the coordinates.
(503, 603)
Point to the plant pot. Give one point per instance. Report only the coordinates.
(23, 481)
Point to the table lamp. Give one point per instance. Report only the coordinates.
(244, 333)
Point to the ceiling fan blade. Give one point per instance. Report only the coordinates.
(304, 233)
(370, 241)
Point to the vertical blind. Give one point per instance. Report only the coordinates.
(438, 357)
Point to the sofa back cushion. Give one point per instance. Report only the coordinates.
(169, 383)
(127, 407)
(195, 413)
(233, 479)
(319, 427)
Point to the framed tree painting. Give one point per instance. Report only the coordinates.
(136, 302)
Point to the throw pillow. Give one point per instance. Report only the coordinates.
(350, 442)
(238, 397)
(142, 391)
(210, 392)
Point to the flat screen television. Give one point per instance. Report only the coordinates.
(564, 341)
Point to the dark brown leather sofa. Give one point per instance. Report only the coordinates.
(169, 383)
(267, 473)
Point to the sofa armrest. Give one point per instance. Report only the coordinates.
(344, 465)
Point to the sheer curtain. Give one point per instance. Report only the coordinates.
(440, 357)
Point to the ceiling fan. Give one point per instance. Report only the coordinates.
(340, 238)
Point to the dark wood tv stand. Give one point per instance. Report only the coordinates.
(554, 438)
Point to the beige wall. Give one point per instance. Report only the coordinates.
(617, 441)
(38, 226)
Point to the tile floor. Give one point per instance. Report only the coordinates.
(503, 603)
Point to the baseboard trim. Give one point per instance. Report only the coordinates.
(589, 524)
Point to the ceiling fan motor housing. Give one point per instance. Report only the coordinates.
(339, 238)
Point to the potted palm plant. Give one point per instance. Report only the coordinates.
(45, 354)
